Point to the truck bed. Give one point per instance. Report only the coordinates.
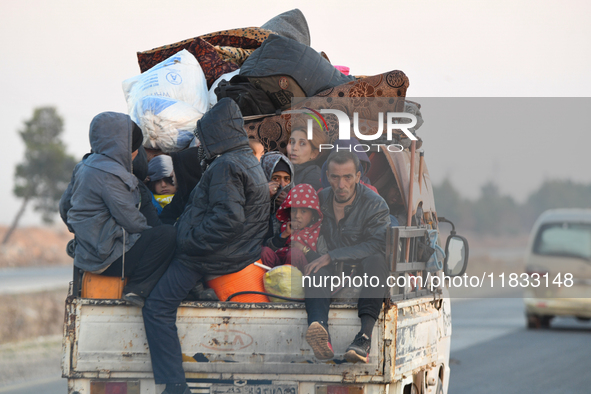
(220, 340)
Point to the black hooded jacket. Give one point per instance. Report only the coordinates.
(187, 169)
(222, 228)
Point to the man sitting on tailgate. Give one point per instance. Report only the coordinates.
(354, 228)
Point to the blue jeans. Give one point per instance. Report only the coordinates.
(159, 313)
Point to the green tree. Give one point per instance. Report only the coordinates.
(44, 173)
(496, 214)
(448, 200)
(558, 194)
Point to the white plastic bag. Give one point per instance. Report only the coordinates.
(167, 124)
(179, 78)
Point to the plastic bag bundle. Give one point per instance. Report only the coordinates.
(167, 100)
(284, 280)
(167, 124)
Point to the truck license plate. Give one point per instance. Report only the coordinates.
(254, 389)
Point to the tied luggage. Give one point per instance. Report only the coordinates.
(250, 99)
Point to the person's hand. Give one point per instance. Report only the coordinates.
(287, 231)
(298, 245)
(281, 197)
(315, 265)
(273, 187)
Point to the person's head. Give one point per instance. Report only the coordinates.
(343, 174)
(393, 197)
(300, 149)
(273, 162)
(161, 175)
(257, 148)
(164, 186)
(137, 138)
(302, 217)
(281, 173)
(301, 207)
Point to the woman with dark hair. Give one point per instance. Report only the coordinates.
(305, 154)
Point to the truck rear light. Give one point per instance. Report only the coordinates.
(338, 389)
(107, 387)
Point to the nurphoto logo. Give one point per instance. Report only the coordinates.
(344, 123)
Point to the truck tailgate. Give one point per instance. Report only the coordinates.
(106, 336)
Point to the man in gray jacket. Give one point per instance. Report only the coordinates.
(101, 207)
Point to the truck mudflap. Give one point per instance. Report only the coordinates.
(107, 338)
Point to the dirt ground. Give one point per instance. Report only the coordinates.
(27, 316)
(37, 358)
(35, 246)
(30, 336)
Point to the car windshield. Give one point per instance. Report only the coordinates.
(564, 239)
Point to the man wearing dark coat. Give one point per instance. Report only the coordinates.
(220, 231)
(354, 228)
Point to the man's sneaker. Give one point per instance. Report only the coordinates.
(133, 299)
(319, 340)
(358, 351)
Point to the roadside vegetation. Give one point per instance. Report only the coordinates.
(494, 214)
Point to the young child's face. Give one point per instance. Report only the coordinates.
(301, 217)
(165, 186)
(299, 149)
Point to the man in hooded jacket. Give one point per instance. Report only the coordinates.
(220, 232)
(101, 206)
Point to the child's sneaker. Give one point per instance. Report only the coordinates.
(319, 340)
(358, 351)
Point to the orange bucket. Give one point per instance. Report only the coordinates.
(248, 279)
(102, 287)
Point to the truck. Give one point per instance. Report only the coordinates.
(260, 348)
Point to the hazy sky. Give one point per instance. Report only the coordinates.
(75, 54)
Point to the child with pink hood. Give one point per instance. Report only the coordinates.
(301, 218)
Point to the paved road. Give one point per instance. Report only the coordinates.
(493, 352)
(33, 279)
